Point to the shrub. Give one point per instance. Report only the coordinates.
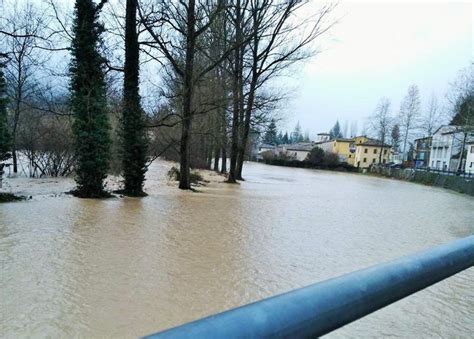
(316, 156)
(194, 176)
(331, 160)
(8, 197)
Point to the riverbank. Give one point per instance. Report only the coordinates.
(451, 182)
(38, 188)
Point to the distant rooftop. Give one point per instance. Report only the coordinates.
(374, 142)
(298, 147)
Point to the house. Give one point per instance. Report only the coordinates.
(469, 167)
(445, 148)
(422, 152)
(320, 137)
(341, 147)
(296, 151)
(263, 148)
(370, 151)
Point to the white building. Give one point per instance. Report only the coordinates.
(296, 151)
(469, 168)
(321, 137)
(445, 148)
(264, 148)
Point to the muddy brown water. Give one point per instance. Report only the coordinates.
(129, 267)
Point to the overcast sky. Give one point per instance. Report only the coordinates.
(379, 49)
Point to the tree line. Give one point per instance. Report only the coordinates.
(209, 69)
(411, 121)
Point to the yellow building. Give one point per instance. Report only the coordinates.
(358, 151)
(341, 147)
(367, 152)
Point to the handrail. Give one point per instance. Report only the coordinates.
(320, 308)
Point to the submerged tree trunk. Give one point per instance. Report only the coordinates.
(133, 133)
(88, 102)
(216, 158)
(224, 160)
(184, 161)
(236, 82)
(235, 124)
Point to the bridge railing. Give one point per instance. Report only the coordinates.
(320, 308)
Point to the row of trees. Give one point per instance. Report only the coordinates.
(216, 62)
(273, 137)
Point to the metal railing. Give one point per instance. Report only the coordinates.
(463, 174)
(318, 309)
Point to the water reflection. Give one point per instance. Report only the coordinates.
(128, 267)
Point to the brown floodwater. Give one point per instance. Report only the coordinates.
(127, 267)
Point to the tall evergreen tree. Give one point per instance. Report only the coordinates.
(134, 143)
(5, 139)
(285, 139)
(296, 135)
(280, 138)
(395, 137)
(88, 100)
(335, 132)
(271, 133)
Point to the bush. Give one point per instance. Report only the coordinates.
(316, 156)
(8, 197)
(194, 176)
(331, 160)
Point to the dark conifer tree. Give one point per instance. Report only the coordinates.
(271, 134)
(335, 132)
(134, 143)
(88, 100)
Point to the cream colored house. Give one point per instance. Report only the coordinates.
(370, 152)
(296, 151)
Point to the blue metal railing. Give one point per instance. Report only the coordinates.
(318, 309)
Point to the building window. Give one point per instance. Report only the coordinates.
(375, 151)
(385, 152)
(350, 155)
(365, 150)
(373, 160)
(384, 161)
(365, 159)
(472, 149)
(471, 164)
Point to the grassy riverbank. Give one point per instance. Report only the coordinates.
(452, 182)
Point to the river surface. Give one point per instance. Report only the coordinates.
(127, 267)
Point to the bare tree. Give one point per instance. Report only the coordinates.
(175, 30)
(431, 120)
(461, 97)
(354, 129)
(22, 31)
(409, 116)
(279, 39)
(380, 123)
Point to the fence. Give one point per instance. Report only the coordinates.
(318, 309)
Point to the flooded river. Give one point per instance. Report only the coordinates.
(128, 267)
